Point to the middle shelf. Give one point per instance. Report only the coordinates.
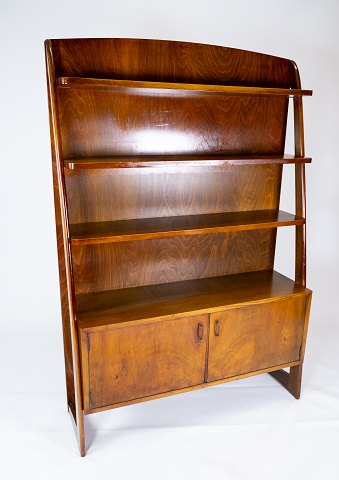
(161, 227)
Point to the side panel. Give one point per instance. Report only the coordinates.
(70, 334)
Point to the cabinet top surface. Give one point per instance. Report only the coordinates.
(104, 309)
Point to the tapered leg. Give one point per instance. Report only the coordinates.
(81, 434)
(291, 381)
(79, 428)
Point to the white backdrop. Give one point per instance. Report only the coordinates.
(257, 430)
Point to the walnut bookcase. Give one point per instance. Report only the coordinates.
(167, 166)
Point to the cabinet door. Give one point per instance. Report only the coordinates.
(130, 362)
(254, 337)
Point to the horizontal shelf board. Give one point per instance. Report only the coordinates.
(148, 228)
(158, 161)
(101, 310)
(103, 83)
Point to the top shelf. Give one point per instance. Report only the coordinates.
(103, 83)
(157, 161)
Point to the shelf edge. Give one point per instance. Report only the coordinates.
(104, 83)
(92, 239)
(120, 163)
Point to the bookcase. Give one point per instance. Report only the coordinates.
(167, 165)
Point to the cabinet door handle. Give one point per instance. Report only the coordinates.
(217, 329)
(200, 331)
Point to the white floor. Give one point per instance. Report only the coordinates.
(247, 430)
(250, 429)
(236, 433)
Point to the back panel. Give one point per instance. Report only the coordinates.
(108, 122)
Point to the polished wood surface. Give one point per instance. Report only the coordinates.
(165, 227)
(134, 362)
(169, 124)
(170, 61)
(196, 387)
(149, 194)
(99, 83)
(300, 192)
(148, 262)
(102, 310)
(254, 337)
(291, 381)
(207, 162)
(167, 165)
(67, 294)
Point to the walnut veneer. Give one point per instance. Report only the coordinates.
(167, 166)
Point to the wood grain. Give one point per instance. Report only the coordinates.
(166, 227)
(169, 124)
(138, 86)
(194, 146)
(146, 262)
(255, 337)
(194, 387)
(291, 381)
(147, 359)
(205, 162)
(166, 194)
(67, 293)
(103, 310)
(169, 61)
(300, 191)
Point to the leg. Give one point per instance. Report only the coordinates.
(81, 433)
(291, 381)
(79, 428)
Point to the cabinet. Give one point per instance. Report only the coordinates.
(130, 362)
(167, 164)
(255, 337)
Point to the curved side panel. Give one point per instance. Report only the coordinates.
(71, 346)
(300, 186)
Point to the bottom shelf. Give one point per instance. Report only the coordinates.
(102, 309)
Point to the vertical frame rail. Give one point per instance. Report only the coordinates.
(300, 187)
(70, 332)
(292, 380)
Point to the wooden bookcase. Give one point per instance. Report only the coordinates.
(167, 166)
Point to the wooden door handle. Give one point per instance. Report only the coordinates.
(217, 329)
(200, 331)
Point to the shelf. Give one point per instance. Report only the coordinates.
(148, 228)
(158, 161)
(103, 309)
(104, 83)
